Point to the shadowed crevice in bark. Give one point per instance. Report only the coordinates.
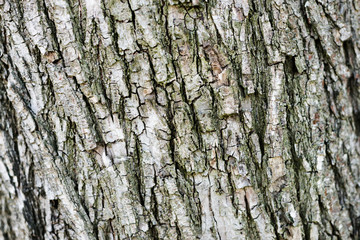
(78, 14)
(137, 168)
(253, 232)
(291, 78)
(353, 82)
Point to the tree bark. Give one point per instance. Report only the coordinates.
(179, 119)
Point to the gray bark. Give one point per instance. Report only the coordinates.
(179, 119)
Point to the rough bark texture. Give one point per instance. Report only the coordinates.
(179, 119)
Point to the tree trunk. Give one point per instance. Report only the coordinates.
(179, 119)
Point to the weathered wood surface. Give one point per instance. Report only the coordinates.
(179, 119)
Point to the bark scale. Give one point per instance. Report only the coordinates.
(179, 119)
